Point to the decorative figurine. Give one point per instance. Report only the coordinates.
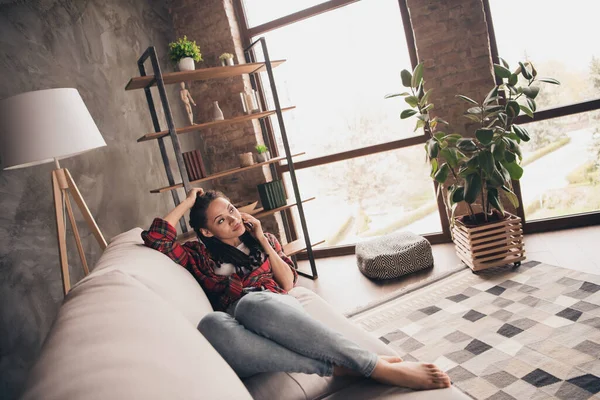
(187, 98)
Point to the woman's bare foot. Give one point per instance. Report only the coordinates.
(411, 375)
(341, 371)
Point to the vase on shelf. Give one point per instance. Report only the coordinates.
(225, 62)
(217, 113)
(186, 64)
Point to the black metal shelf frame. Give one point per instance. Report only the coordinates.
(150, 53)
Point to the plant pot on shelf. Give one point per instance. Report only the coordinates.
(246, 159)
(492, 244)
(225, 62)
(263, 157)
(186, 64)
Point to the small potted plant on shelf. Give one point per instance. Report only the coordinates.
(184, 52)
(263, 153)
(226, 59)
(478, 170)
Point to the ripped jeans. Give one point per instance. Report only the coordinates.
(271, 332)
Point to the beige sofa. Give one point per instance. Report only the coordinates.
(128, 331)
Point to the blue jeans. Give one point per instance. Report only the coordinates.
(270, 332)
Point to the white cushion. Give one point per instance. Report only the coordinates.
(115, 339)
(127, 253)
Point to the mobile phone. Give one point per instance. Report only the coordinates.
(248, 225)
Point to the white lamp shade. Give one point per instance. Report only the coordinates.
(37, 127)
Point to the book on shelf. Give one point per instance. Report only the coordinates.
(188, 166)
(200, 163)
(194, 165)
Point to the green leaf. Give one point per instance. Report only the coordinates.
(406, 78)
(441, 121)
(439, 135)
(513, 79)
(493, 94)
(509, 157)
(407, 114)
(531, 104)
(433, 148)
(503, 61)
(467, 99)
(514, 200)
(425, 97)
(466, 145)
(472, 188)
(450, 156)
(526, 110)
(474, 110)
(549, 80)
(521, 133)
(473, 117)
(524, 71)
(434, 167)
(512, 109)
(498, 150)
(417, 75)
(458, 195)
(412, 101)
(531, 91)
(503, 172)
(452, 138)
(494, 199)
(420, 124)
(389, 96)
(514, 169)
(501, 71)
(442, 174)
(484, 136)
(427, 107)
(486, 160)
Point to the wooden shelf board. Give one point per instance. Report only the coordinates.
(259, 213)
(224, 173)
(212, 124)
(201, 74)
(298, 246)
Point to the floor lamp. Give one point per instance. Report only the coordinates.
(45, 126)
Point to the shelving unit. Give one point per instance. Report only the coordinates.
(159, 80)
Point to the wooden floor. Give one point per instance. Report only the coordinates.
(342, 285)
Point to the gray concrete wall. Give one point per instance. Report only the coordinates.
(92, 46)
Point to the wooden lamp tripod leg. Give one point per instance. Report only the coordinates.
(61, 232)
(63, 184)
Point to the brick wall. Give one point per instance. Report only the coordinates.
(213, 25)
(452, 40)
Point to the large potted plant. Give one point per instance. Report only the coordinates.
(478, 170)
(183, 53)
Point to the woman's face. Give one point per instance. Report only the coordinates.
(223, 220)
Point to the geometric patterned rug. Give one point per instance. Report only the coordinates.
(530, 333)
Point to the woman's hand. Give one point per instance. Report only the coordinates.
(191, 196)
(256, 229)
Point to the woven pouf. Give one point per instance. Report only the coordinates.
(393, 255)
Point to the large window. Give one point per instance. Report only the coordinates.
(562, 174)
(339, 65)
(365, 197)
(559, 38)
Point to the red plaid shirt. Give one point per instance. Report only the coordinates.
(221, 290)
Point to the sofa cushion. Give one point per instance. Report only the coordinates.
(127, 253)
(115, 339)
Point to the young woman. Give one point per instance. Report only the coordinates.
(258, 327)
